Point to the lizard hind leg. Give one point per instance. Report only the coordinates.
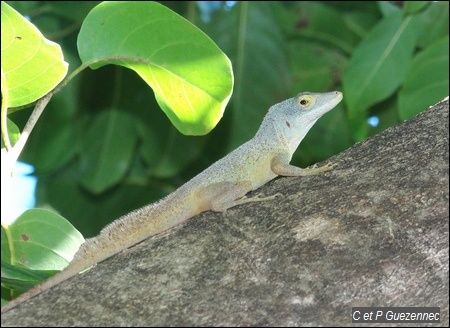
(256, 198)
(224, 195)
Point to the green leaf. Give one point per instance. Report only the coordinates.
(314, 66)
(250, 34)
(33, 65)
(322, 22)
(168, 152)
(190, 75)
(433, 23)
(13, 132)
(47, 148)
(107, 150)
(50, 156)
(413, 7)
(360, 22)
(388, 7)
(378, 67)
(427, 80)
(21, 279)
(40, 240)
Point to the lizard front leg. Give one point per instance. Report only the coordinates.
(280, 165)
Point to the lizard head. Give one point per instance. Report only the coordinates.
(311, 106)
(293, 117)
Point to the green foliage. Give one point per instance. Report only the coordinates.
(13, 132)
(107, 148)
(251, 36)
(41, 252)
(29, 255)
(377, 67)
(103, 147)
(430, 65)
(38, 68)
(188, 73)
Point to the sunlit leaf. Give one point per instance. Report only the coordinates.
(190, 75)
(40, 240)
(32, 64)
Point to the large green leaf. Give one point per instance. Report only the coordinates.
(378, 66)
(426, 81)
(190, 75)
(250, 34)
(40, 240)
(107, 149)
(32, 64)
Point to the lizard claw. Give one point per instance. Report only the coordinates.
(331, 165)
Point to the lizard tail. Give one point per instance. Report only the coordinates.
(49, 283)
(124, 232)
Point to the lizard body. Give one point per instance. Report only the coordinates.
(222, 185)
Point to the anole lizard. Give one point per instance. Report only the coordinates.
(222, 185)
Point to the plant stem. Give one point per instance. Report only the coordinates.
(37, 111)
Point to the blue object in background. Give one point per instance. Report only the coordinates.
(373, 121)
(207, 8)
(18, 193)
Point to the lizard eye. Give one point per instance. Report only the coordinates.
(306, 101)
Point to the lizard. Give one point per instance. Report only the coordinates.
(219, 187)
